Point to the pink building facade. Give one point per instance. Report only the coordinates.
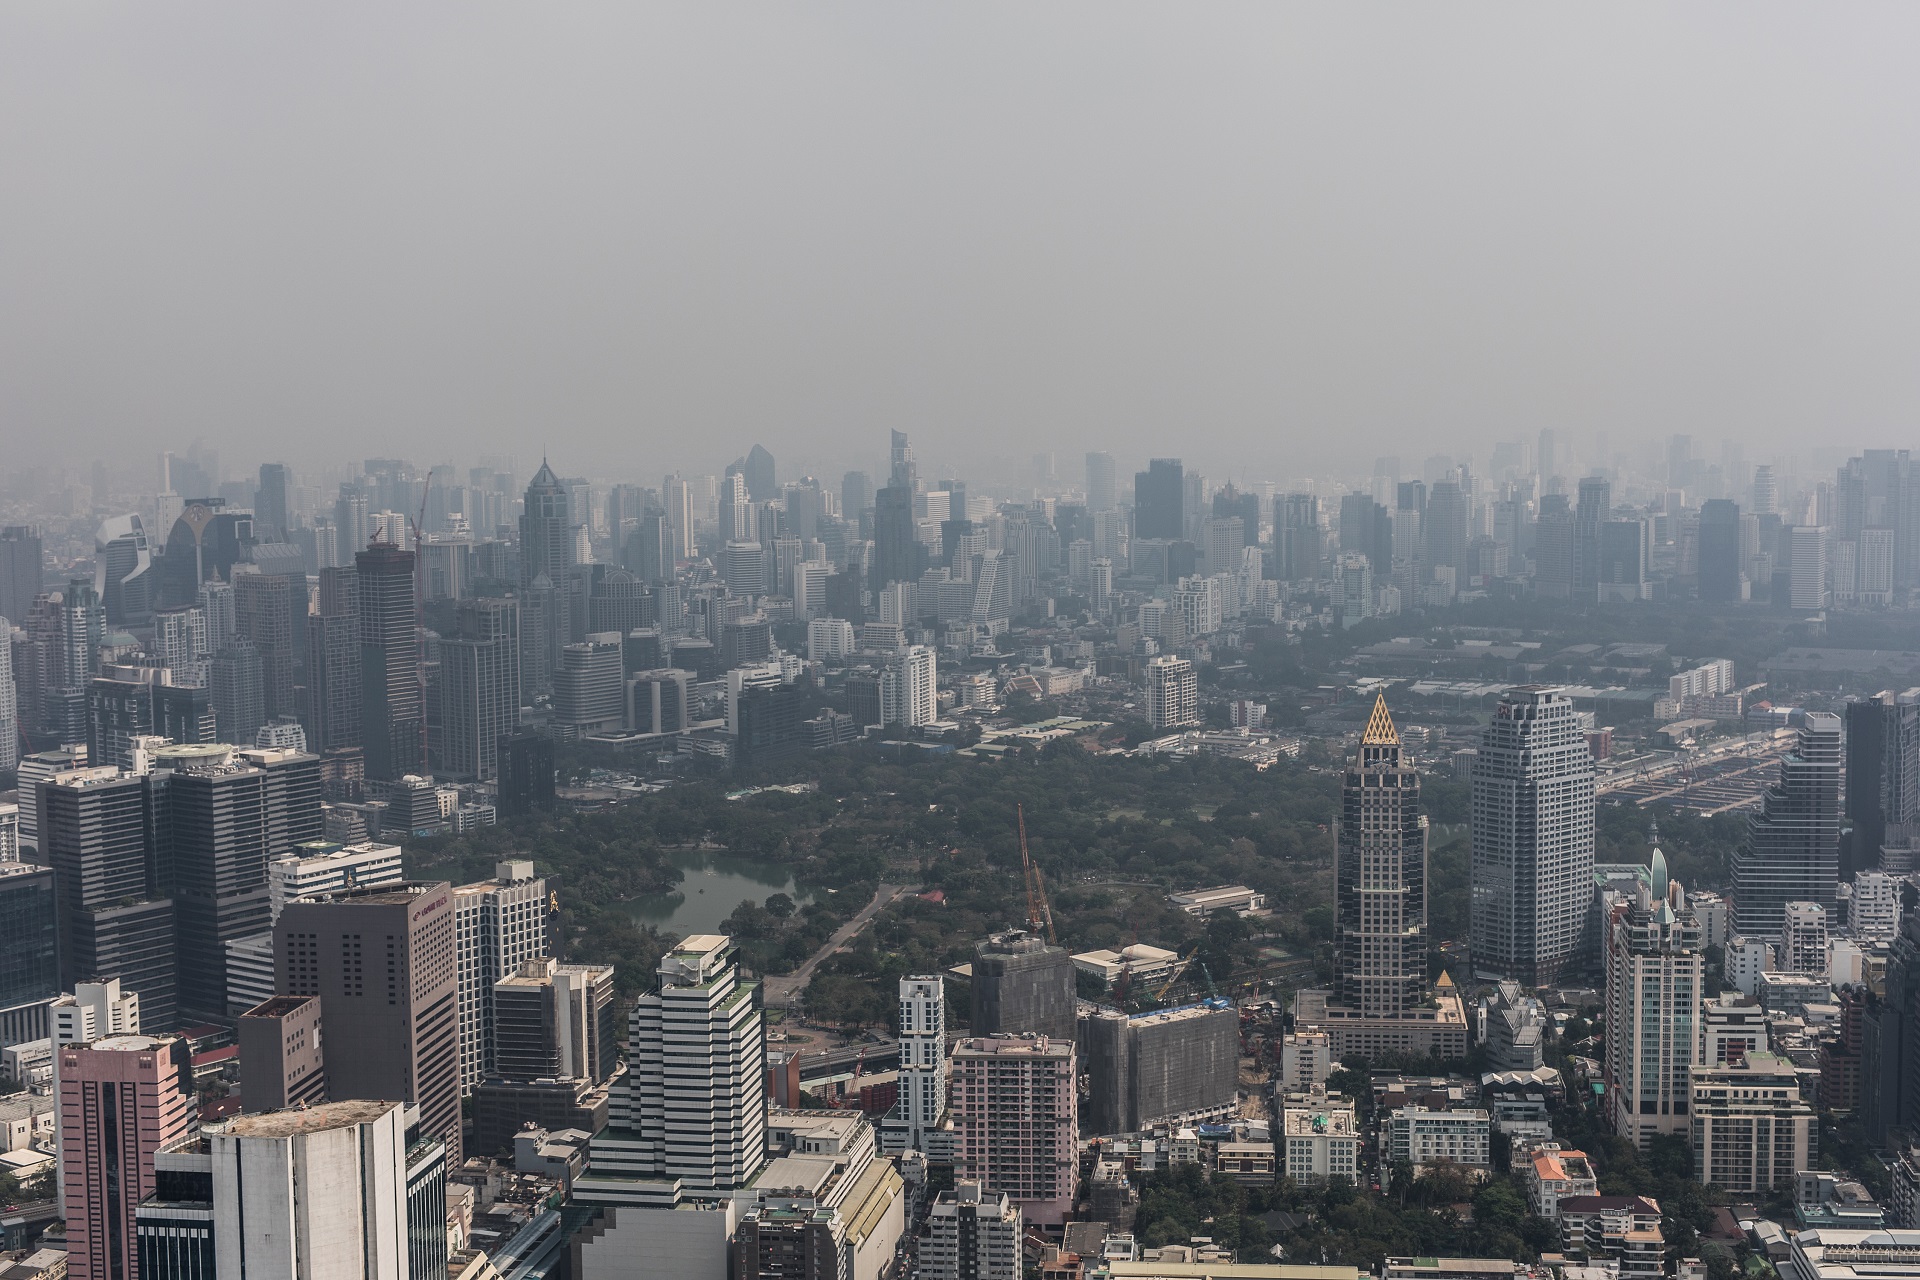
(120, 1102)
(1014, 1112)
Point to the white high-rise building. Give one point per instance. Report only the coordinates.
(1803, 939)
(94, 1011)
(1173, 693)
(1100, 585)
(499, 925)
(829, 639)
(332, 869)
(1532, 838)
(972, 1234)
(1807, 581)
(923, 1064)
(1874, 909)
(9, 704)
(916, 700)
(319, 1191)
(692, 1120)
(1655, 967)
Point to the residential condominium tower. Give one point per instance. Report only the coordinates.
(1532, 839)
(1655, 966)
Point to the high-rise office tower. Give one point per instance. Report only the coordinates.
(1554, 552)
(1102, 488)
(1159, 495)
(501, 923)
(1807, 568)
(758, 470)
(34, 770)
(856, 495)
(20, 572)
(677, 494)
(1766, 497)
(382, 961)
(547, 550)
(1297, 539)
(1792, 849)
(1595, 508)
(271, 502)
(263, 613)
(479, 687)
(392, 693)
(1022, 986)
(1381, 878)
(555, 1022)
(235, 691)
(282, 1057)
(525, 784)
(219, 820)
(1720, 558)
(205, 542)
(328, 1190)
(922, 1099)
(1533, 833)
(1445, 525)
(1654, 957)
(1883, 778)
(897, 553)
(333, 663)
(687, 1125)
(1546, 460)
(9, 703)
(123, 571)
(902, 472)
(589, 689)
(1623, 571)
(1015, 1108)
(83, 624)
(215, 602)
(1366, 529)
(1172, 693)
(115, 919)
(123, 1100)
(29, 952)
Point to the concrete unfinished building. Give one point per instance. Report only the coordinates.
(1022, 986)
(1172, 1065)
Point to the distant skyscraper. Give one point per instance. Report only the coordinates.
(392, 701)
(1159, 494)
(547, 552)
(1720, 551)
(20, 571)
(1554, 553)
(1594, 509)
(898, 555)
(760, 476)
(1102, 489)
(1807, 568)
(263, 613)
(525, 785)
(271, 501)
(333, 663)
(123, 1100)
(1297, 540)
(856, 495)
(1366, 529)
(1533, 834)
(1765, 497)
(1547, 455)
(123, 571)
(479, 687)
(382, 961)
(1623, 571)
(1445, 524)
(9, 703)
(1792, 849)
(234, 689)
(902, 472)
(1380, 890)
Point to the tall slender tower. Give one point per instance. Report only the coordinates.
(547, 551)
(1381, 878)
(392, 701)
(923, 1063)
(1532, 839)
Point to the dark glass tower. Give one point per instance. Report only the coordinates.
(546, 562)
(1719, 550)
(1158, 496)
(392, 701)
(1792, 849)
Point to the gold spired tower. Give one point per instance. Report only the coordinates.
(1381, 1001)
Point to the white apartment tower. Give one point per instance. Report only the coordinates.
(1532, 838)
(972, 1234)
(692, 1121)
(499, 924)
(1173, 693)
(923, 1063)
(1803, 939)
(1655, 968)
(916, 701)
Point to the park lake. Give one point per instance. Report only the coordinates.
(712, 885)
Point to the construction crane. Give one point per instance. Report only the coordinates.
(1173, 976)
(1039, 913)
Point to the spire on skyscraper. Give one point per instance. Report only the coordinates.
(1380, 731)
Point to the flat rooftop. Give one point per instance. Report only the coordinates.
(297, 1120)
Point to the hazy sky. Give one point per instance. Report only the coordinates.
(1267, 237)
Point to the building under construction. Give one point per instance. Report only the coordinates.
(1022, 986)
(1174, 1066)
